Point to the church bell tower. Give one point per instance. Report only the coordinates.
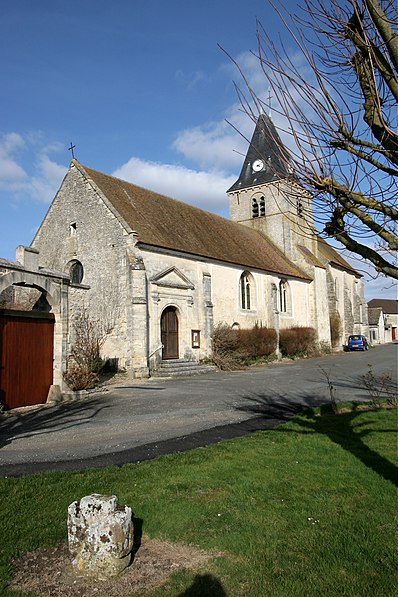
(267, 197)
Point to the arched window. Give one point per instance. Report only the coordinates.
(76, 272)
(254, 208)
(283, 296)
(300, 208)
(262, 206)
(246, 291)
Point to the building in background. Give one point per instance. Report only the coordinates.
(388, 315)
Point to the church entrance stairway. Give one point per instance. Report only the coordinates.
(182, 368)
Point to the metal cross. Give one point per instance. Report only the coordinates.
(269, 101)
(71, 148)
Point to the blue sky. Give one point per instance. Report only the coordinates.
(141, 88)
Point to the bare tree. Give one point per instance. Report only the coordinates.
(337, 91)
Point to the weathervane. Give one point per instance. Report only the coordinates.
(71, 148)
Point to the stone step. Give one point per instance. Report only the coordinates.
(181, 368)
(172, 363)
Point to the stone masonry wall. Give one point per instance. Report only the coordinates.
(79, 226)
(287, 220)
(215, 298)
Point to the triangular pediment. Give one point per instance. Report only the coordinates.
(172, 278)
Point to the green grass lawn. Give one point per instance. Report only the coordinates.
(307, 509)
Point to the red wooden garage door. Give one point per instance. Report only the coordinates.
(26, 357)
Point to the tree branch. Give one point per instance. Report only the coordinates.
(336, 229)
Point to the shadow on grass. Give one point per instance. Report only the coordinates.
(47, 419)
(204, 585)
(138, 524)
(340, 428)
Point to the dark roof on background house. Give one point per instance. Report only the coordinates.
(334, 258)
(389, 306)
(267, 146)
(170, 224)
(374, 315)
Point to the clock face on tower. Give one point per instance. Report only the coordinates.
(258, 165)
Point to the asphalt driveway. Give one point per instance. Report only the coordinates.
(138, 420)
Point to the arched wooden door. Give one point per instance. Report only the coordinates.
(169, 333)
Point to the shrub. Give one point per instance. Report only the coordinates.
(225, 345)
(233, 349)
(86, 350)
(380, 387)
(257, 342)
(79, 378)
(335, 328)
(85, 360)
(297, 341)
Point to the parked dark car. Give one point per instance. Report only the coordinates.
(357, 342)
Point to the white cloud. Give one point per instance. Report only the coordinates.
(223, 144)
(219, 144)
(10, 142)
(45, 183)
(211, 145)
(249, 64)
(15, 180)
(253, 83)
(189, 80)
(205, 189)
(10, 170)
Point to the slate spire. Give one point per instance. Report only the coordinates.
(266, 160)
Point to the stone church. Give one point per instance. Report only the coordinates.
(159, 274)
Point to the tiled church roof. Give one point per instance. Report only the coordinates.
(170, 224)
(333, 257)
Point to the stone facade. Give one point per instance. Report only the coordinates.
(127, 288)
(126, 285)
(80, 226)
(157, 275)
(267, 198)
(347, 300)
(333, 289)
(129, 266)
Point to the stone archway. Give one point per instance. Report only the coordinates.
(54, 294)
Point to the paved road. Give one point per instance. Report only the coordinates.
(139, 420)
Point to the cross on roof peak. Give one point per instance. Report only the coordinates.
(71, 148)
